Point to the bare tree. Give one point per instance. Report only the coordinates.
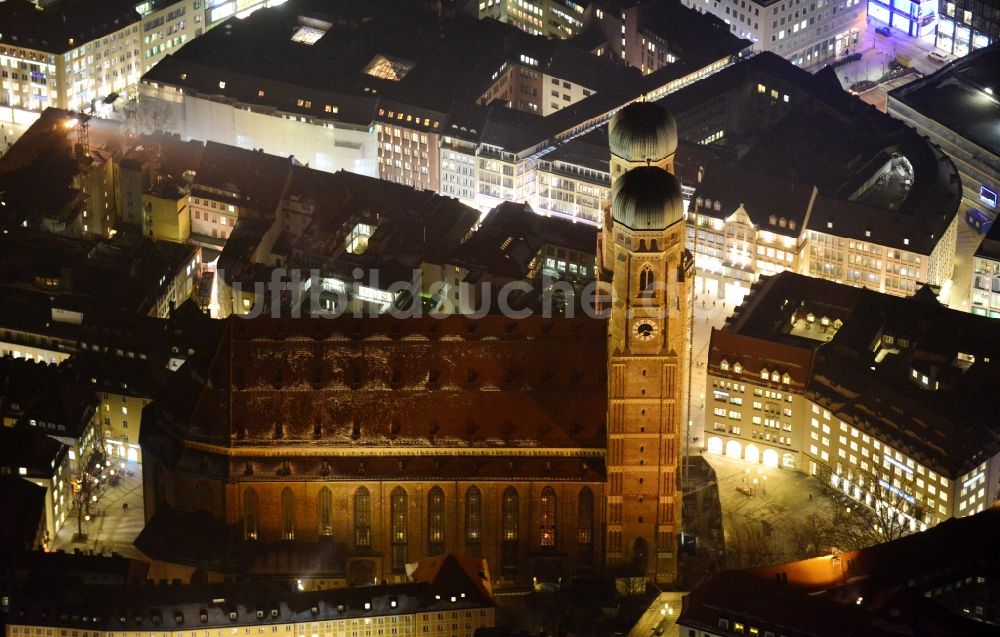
(90, 478)
(747, 543)
(810, 536)
(883, 508)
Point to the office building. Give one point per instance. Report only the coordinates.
(883, 398)
(77, 55)
(804, 33)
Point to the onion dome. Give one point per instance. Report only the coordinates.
(646, 199)
(643, 132)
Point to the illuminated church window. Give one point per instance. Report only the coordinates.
(362, 518)
(547, 517)
(473, 520)
(435, 521)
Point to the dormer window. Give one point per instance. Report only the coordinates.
(775, 377)
(724, 365)
(786, 379)
(764, 374)
(738, 368)
(772, 220)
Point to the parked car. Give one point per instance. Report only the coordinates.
(883, 31)
(937, 56)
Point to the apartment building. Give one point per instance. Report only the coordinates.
(846, 412)
(804, 32)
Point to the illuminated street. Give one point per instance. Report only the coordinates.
(660, 619)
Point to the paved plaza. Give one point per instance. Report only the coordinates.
(113, 528)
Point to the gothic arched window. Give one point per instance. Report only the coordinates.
(585, 528)
(435, 521)
(473, 520)
(399, 520)
(325, 512)
(547, 517)
(250, 514)
(646, 280)
(510, 521)
(287, 514)
(362, 518)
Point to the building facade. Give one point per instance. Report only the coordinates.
(965, 26)
(804, 33)
(782, 394)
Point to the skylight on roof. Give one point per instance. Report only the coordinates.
(388, 68)
(307, 35)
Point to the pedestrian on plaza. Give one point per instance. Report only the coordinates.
(125, 507)
(810, 497)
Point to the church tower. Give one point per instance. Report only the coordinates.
(643, 251)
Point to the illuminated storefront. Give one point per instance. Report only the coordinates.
(961, 30)
(910, 17)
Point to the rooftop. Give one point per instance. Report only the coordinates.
(867, 382)
(453, 583)
(888, 589)
(962, 96)
(371, 382)
(65, 25)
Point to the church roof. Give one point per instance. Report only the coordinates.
(355, 383)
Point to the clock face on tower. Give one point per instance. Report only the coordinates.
(644, 329)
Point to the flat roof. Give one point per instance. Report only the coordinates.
(958, 97)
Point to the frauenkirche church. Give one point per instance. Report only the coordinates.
(339, 450)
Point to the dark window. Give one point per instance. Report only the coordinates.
(511, 518)
(585, 528)
(646, 280)
(287, 514)
(325, 512)
(250, 514)
(203, 497)
(398, 515)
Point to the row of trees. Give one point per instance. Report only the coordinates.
(845, 527)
